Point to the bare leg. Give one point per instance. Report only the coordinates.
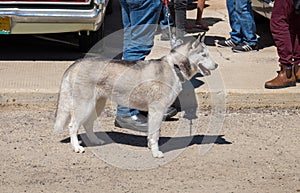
(199, 22)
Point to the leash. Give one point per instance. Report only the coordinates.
(173, 43)
(191, 127)
(168, 14)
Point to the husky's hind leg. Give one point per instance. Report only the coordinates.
(73, 129)
(88, 125)
(80, 115)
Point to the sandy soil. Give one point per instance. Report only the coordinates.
(255, 151)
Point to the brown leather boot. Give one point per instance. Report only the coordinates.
(285, 78)
(297, 72)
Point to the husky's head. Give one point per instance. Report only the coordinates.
(199, 55)
(192, 58)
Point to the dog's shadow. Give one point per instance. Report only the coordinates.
(166, 144)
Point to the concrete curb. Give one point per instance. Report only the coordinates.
(232, 100)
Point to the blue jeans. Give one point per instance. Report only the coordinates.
(241, 21)
(140, 19)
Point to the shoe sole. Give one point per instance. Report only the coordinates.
(278, 87)
(221, 46)
(170, 114)
(225, 46)
(238, 51)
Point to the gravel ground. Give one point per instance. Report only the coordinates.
(256, 150)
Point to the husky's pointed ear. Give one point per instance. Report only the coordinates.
(195, 43)
(201, 36)
(199, 39)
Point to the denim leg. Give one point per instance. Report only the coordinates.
(140, 19)
(235, 34)
(126, 23)
(126, 112)
(247, 23)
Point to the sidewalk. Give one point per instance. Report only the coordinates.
(240, 75)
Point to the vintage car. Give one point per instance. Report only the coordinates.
(84, 17)
(263, 7)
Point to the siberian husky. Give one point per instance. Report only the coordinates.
(148, 85)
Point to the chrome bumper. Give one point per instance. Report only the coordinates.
(38, 21)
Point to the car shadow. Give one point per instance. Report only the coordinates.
(166, 144)
(40, 47)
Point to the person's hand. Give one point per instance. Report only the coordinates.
(166, 2)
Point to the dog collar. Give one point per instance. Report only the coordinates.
(178, 73)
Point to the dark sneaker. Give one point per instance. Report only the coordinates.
(226, 43)
(172, 111)
(135, 122)
(245, 48)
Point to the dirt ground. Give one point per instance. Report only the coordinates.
(255, 151)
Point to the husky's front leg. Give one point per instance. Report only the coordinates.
(155, 116)
(88, 125)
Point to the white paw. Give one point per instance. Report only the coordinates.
(79, 149)
(157, 154)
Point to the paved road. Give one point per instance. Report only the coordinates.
(255, 151)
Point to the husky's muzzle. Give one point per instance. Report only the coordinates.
(206, 71)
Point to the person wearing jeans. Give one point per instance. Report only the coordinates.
(140, 19)
(285, 29)
(243, 29)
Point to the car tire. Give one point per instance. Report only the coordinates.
(88, 39)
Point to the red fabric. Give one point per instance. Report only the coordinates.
(285, 28)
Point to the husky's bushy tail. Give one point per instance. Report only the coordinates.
(63, 104)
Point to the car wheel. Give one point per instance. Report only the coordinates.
(88, 39)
